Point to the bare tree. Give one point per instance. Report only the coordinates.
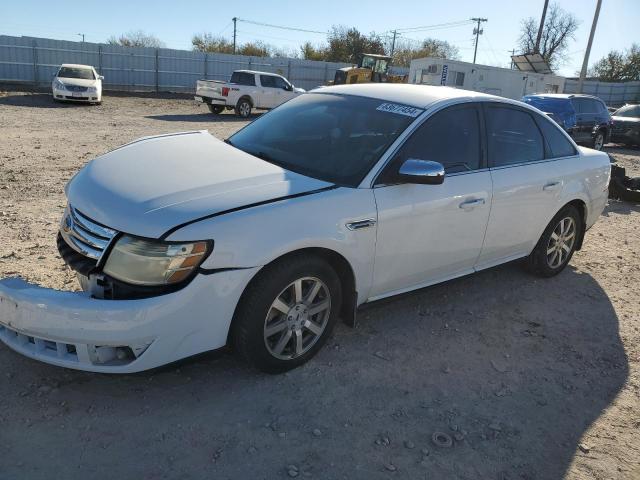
(136, 39)
(559, 28)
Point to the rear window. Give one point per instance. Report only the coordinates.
(549, 105)
(243, 78)
(80, 73)
(558, 145)
(513, 137)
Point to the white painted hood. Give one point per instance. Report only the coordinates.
(154, 184)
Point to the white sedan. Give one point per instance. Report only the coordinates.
(349, 194)
(77, 83)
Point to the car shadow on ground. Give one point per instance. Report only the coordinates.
(40, 100)
(203, 117)
(512, 368)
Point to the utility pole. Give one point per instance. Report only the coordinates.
(82, 35)
(536, 48)
(477, 32)
(393, 42)
(585, 62)
(235, 19)
(513, 52)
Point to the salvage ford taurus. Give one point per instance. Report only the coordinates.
(184, 243)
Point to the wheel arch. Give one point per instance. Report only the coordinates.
(341, 266)
(246, 97)
(581, 206)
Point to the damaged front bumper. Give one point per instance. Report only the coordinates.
(75, 330)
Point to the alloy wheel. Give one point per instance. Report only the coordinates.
(297, 318)
(599, 142)
(561, 242)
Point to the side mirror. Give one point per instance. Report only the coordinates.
(423, 172)
(288, 88)
(100, 77)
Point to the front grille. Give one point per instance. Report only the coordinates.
(84, 235)
(76, 98)
(76, 88)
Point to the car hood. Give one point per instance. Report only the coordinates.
(299, 90)
(78, 82)
(154, 184)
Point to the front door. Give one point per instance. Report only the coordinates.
(429, 233)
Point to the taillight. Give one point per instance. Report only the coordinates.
(225, 91)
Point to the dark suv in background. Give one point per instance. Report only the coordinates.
(584, 117)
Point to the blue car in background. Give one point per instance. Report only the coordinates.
(584, 117)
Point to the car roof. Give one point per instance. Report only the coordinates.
(407, 94)
(563, 95)
(259, 72)
(75, 65)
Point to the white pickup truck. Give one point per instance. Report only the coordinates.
(247, 89)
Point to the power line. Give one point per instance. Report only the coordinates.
(282, 27)
(436, 26)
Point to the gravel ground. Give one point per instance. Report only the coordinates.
(528, 378)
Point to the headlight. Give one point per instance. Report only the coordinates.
(59, 85)
(147, 262)
(92, 89)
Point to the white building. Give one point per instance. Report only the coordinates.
(481, 78)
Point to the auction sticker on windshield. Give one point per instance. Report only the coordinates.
(400, 109)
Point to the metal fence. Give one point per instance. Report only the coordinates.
(612, 93)
(35, 61)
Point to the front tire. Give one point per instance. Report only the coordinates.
(287, 313)
(243, 108)
(557, 243)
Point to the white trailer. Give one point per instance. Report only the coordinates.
(482, 78)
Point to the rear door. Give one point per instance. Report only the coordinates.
(528, 177)
(429, 233)
(268, 92)
(585, 118)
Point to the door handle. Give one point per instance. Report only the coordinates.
(469, 204)
(551, 186)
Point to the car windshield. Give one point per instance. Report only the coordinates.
(335, 138)
(74, 72)
(549, 105)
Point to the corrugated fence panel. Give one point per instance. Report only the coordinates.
(612, 93)
(52, 53)
(35, 61)
(17, 61)
(178, 70)
(128, 68)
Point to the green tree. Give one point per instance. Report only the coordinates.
(430, 47)
(255, 49)
(206, 42)
(310, 52)
(348, 44)
(136, 39)
(618, 66)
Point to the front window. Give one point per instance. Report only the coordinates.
(335, 138)
(74, 72)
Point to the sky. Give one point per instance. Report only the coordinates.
(175, 22)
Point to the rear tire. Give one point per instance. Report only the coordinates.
(215, 109)
(243, 108)
(598, 141)
(557, 243)
(309, 290)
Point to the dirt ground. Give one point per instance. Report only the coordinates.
(530, 378)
